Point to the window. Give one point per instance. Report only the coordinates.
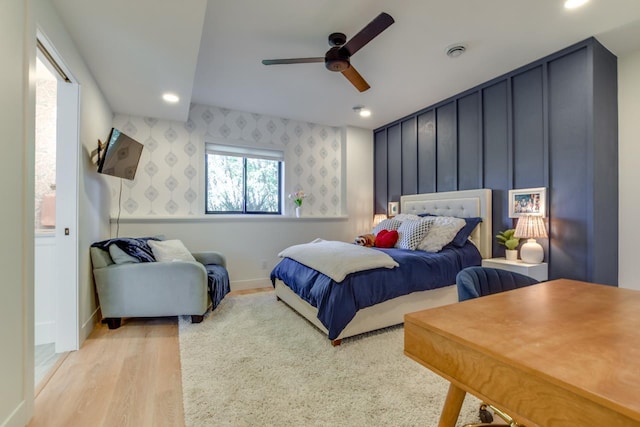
(243, 180)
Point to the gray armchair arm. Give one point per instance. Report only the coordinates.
(210, 257)
(152, 271)
(152, 289)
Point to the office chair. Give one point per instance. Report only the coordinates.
(475, 282)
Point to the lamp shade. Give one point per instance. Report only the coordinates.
(378, 218)
(531, 227)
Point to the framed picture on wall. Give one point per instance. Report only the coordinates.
(528, 201)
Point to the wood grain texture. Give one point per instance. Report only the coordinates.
(125, 377)
(569, 352)
(129, 376)
(452, 406)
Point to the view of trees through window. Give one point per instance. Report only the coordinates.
(242, 184)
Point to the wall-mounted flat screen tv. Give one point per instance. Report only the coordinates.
(121, 156)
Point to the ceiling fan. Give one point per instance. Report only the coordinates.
(338, 57)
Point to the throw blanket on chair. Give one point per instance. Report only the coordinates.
(135, 247)
(337, 259)
(218, 282)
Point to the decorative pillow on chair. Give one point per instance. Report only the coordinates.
(386, 239)
(412, 232)
(170, 250)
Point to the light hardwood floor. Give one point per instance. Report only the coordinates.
(124, 377)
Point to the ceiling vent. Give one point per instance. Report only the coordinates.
(455, 50)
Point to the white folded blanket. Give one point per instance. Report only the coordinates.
(337, 259)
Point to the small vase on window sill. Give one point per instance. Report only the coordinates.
(298, 211)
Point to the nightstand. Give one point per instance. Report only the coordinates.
(537, 271)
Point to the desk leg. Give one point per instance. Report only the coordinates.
(452, 407)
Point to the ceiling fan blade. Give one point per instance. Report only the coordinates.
(368, 33)
(292, 61)
(356, 79)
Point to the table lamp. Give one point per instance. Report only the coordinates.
(531, 227)
(378, 218)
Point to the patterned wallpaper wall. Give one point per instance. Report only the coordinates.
(170, 178)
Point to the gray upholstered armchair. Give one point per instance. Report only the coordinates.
(153, 289)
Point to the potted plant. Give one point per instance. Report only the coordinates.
(297, 198)
(505, 238)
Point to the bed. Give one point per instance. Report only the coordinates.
(291, 287)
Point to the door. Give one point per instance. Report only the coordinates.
(66, 205)
(67, 329)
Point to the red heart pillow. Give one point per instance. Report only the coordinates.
(386, 239)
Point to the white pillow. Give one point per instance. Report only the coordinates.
(441, 233)
(170, 250)
(404, 217)
(387, 224)
(412, 232)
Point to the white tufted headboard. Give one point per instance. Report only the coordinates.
(462, 204)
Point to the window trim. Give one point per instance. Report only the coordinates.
(244, 152)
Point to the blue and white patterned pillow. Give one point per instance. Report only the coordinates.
(387, 224)
(411, 233)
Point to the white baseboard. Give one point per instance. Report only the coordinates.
(87, 327)
(242, 285)
(17, 418)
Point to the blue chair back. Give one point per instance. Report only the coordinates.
(474, 282)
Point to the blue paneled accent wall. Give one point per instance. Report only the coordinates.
(552, 123)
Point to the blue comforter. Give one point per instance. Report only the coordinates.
(337, 303)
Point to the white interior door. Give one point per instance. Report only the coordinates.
(67, 142)
(67, 326)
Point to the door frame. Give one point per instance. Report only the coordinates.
(67, 200)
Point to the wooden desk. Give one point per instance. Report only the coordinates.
(561, 353)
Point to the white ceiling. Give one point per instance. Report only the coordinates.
(209, 52)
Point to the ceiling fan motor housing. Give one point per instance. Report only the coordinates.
(337, 39)
(336, 59)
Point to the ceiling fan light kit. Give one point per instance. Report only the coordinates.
(338, 58)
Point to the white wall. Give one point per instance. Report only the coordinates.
(95, 122)
(18, 20)
(629, 161)
(17, 140)
(251, 242)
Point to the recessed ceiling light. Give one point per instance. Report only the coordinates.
(362, 111)
(572, 4)
(170, 97)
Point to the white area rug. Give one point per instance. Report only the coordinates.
(255, 362)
